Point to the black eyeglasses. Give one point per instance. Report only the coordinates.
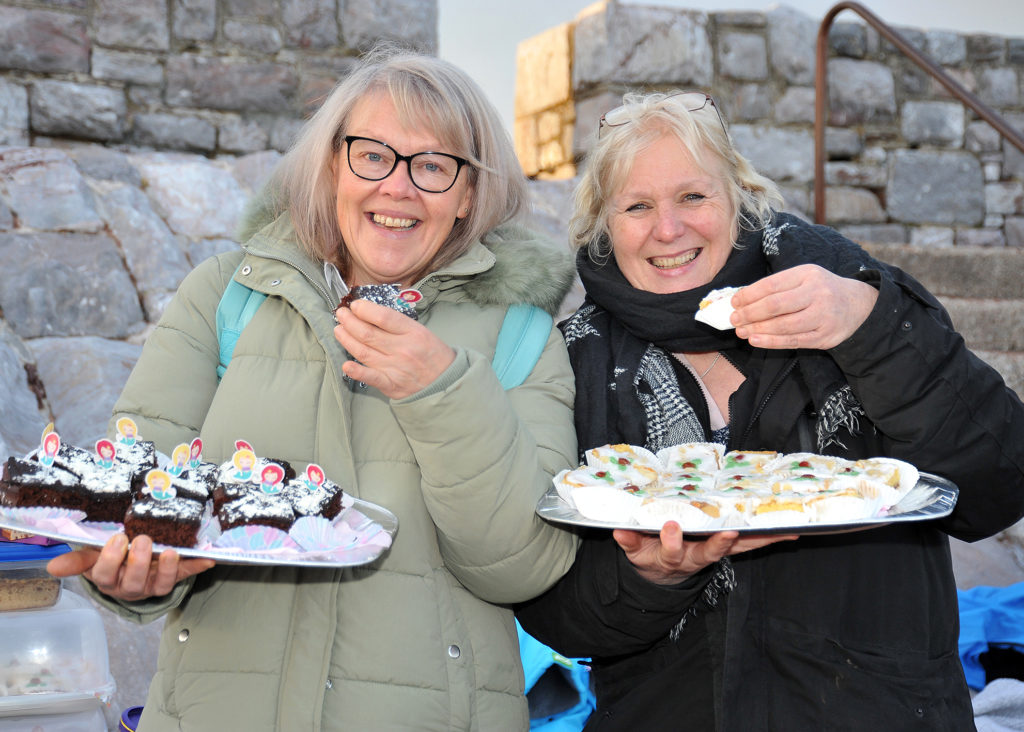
(693, 101)
(432, 172)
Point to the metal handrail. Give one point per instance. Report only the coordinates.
(821, 99)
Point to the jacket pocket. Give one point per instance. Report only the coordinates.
(817, 682)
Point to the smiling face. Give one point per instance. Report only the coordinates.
(391, 228)
(671, 222)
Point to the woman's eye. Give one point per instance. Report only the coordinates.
(637, 207)
(373, 157)
(693, 197)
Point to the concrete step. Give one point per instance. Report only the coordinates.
(968, 272)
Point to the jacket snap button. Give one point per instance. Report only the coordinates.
(454, 651)
(183, 636)
(275, 283)
(246, 269)
(329, 684)
(906, 325)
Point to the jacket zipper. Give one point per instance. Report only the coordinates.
(764, 402)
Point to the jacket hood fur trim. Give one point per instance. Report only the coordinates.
(524, 266)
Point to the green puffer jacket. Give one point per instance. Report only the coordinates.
(420, 639)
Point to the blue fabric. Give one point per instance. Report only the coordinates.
(537, 658)
(523, 335)
(989, 615)
(234, 311)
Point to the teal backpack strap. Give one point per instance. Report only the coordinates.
(522, 338)
(236, 307)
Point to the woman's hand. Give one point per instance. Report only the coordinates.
(126, 571)
(395, 353)
(803, 307)
(668, 558)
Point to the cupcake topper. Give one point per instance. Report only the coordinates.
(338, 287)
(314, 477)
(195, 453)
(243, 445)
(270, 478)
(127, 432)
(105, 453)
(179, 458)
(158, 485)
(244, 460)
(51, 444)
(409, 297)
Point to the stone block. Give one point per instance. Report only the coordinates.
(283, 132)
(588, 115)
(104, 164)
(46, 191)
(83, 378)
(1004, 197)
(23, 410)
(782, 154)
(199, 251)
(796, 105)
(982, 137)
(230, 84)
(13, 113)
(748, 102)
(847, 173)
(928, 187)
(67, 109)
(43, 41)
(860, 92)
(984, 48)
(192, 195)
(846, 204)
(999, 87)
(988, 324)
(174, 132)
(253, 170)
(1013, 227)
(264, 9)
(1015, 51)
(6, 217)
(933, 123)
(310, 23)
(843, 142)
(139, 24)
(253, 36)
(875, 233)
(194, 20)
(66, 284)
(749, 18)
(792, 37)
(240, 135)
(152, 253)
(848, 39)
(932, 237)
(136, 68)
(963, 77)
(946, 48)
(633, 44)
(742, 56)
(961, 271)
(543, 71)
(524, 131)
(980, 238)
(413, 22)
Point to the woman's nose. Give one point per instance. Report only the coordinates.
(668, 227)
(398, 183)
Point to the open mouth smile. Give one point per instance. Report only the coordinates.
(672, 262)
(390, 222)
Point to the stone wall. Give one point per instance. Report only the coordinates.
(210, 76)
(906, 162)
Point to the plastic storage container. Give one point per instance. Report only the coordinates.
(24, 581)
(89, 719)
(54, 663)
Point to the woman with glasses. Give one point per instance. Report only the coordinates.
(827, 351)
(403, 177)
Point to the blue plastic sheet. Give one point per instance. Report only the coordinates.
(537, 658)
(989, 615)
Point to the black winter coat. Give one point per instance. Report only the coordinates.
(851, 631)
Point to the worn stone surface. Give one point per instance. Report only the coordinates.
(254, 36)
(68, 109)
(782, 154)
(195, 20)
(46, 191)
(195, 199)
(66, 284)
(227, 83)
(23, 410)
(310, 24)
(860, 91)
(412, 21)
(848, 204)
(41, 40)
(547, 82)
(13, 113)
(629, 44)
(936, 188)
(933, 123)
(174, 132)
(137, 68)
(83, 378)
(742, 56)
(140, 24)
(791, 40)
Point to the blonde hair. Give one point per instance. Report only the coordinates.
(429, 93)
(647, 118)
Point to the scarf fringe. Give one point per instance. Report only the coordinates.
(722, 582)
(841, 409)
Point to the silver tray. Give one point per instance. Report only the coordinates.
(365, 518)
(933, 497)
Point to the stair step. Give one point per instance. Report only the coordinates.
(959, 271)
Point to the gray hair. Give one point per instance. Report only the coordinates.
(426, 92)
(701, 133)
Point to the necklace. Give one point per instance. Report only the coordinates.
(708, 369)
